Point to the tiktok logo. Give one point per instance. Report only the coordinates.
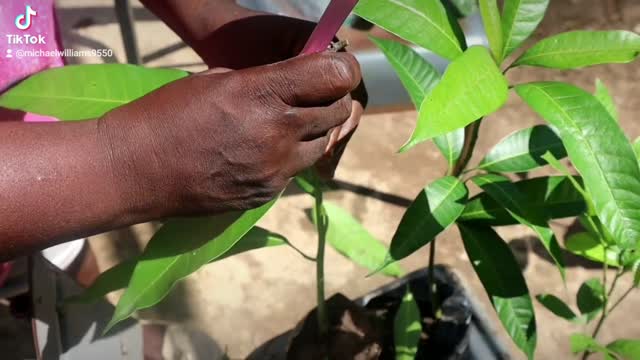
(23, 21)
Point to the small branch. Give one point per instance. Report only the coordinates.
(470, 140)
(432, 278)
(321, 225)
(305, 256)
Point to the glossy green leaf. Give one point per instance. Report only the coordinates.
(625, 348)
(78, 92)
(636, 148)
(553, 196)
(599, 150)
(436, 208)
(520, 18)
(586, 245)
(557, 306)
(522, 150)
(177, 250)
(591, 298)
(118, 277)
(348, 237)
(472, 87)
(505, 193)
(581, 343)
(636, 273)
(422, 22)
(500, 275)
(419, 77)
(465, 7)
(578, 49)
(604, 96)
(492, 26)
(407, 328)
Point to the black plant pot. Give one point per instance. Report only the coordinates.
(461, 333)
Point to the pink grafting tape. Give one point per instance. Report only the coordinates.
(328, 26)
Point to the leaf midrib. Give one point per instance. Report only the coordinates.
(587, 146)
(573, 51)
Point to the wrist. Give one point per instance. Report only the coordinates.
(132, 167)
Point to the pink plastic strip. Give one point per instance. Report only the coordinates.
(335, 15)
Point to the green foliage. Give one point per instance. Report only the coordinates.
(557, 306)
(581, 343)
(500, 275)
(591, 298)
(472, 87)
(578, 49)
(626, 349)
(419, 77)
(118, 277)
(422, 22)
(520, 18)
(553, 196)
(606, 161)
(79, 92)
(492, 26)
(407, 328)
(604, 96)
(348, 237)
(588, 246)
(465, 7)
(505, 193)
(435, 209)
(522, 151)
(177, 250)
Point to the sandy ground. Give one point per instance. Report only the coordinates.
(245, 300)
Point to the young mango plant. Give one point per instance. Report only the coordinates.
(581, 126)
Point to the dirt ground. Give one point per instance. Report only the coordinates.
(243, 301)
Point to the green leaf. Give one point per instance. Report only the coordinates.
(507, 194)
(465, 7)
(79, 92)
(118, 277)
(604, 96)
(407, 328)
(636, 273)
(636, 148)
(492, 26)
(422, 22)
(581, 343)
(626, 348)
(553, 196)
(177, 250)
(522, 151)
(520, 18)
(500, 275)
(598, 149)
(591, 298)
(472, 87)
(434, 210)
(349, 238)
(417, 75)
(450, 145)
(578, 49)
(586, 245)
(557, 306)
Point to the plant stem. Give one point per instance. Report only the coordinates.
(321, 226)
(470, 140)
(606, 312)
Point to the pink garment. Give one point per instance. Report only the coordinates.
(43, 29)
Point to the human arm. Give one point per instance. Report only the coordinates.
(206, 144)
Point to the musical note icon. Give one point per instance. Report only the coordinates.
(23, 21)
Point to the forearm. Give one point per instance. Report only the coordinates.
(57, 183)
(195, 20)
